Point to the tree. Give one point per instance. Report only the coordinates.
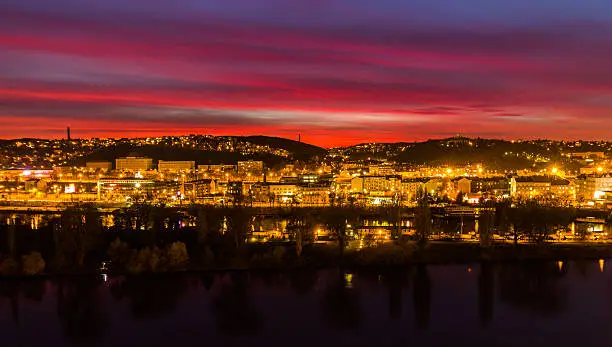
(271, 199)
(335, 220)
(393, 215)
(177, 255)
(73, 240)
(11, 238)
(119, 253)
(209, 221)
(459, 198)
(501, 215)
(486, 222)
(32, 263)
(351, 201)
(422, 221)
(239, 220)
(582, 231)
(299, 222)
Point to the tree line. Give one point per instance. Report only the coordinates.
(147, 238)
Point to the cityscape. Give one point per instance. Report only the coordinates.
(305, 173)
(267, 172)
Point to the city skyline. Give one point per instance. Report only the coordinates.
(339, 73)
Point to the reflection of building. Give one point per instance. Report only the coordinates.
(134, 163)
(175, 166)
(100, 165)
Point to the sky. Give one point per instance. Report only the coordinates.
(338, 72)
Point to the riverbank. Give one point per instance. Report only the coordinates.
(385, 256)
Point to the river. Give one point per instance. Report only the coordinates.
(521, 304)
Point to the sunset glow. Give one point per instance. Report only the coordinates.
(338, 72)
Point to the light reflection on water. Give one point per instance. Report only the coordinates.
(570, 304)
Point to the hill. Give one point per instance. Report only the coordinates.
(164, 152)
(299, 150)
(499, 154)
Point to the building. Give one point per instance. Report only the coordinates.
(464, 185)
(199, 189)
(217, 168)
(314, 194)
(99, 165)
(535, 186)
(250, 166)
(260, 192)
(491, 186)
(283, 192)
(175, 166)
(588, 187)
(308, 178)
(434, 186)
(411, 186)
(134, 164)
(375, 184)
(120, 189)
(588, 155)
(384, 169)
(235, 189)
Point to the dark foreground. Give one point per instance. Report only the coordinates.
(535, 303)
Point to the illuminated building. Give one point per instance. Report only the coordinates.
(308, 178)
(464, 185)
(252, 166)
(111, 188)
(589, 186)
(534, 186)
(235, 189)
(175, 165)
(99, 165)
(384, 169)
(283, 190)
(492, 186)
(313, 193)
(375, 184)
(134, 164)
(199, 189)
(411, 186)
(588, 155)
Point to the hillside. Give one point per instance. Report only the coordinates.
(500, 154)
(163, 152)
(300, 150)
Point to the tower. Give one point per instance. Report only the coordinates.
(68, 133)
(299, 137)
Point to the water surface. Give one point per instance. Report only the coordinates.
(527, 304)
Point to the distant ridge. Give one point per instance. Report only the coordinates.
(297, 151)
(300, 150)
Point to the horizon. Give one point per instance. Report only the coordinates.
(471, 137)
(341, 73)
